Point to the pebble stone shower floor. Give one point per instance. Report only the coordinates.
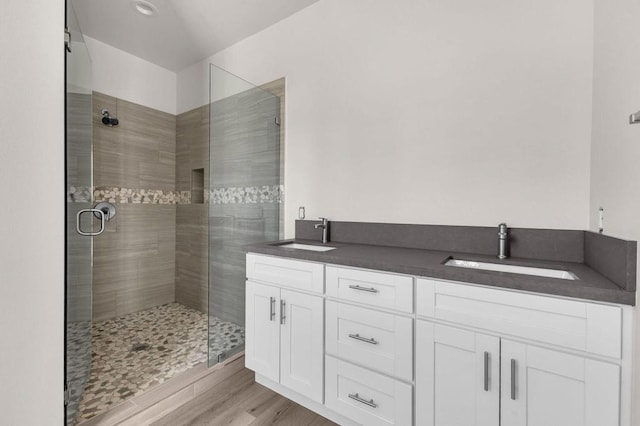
(137, 351)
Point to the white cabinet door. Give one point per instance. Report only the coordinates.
(457, 376)
(543, 387)
(262, 322)
(302, 343)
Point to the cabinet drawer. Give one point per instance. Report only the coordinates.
(373, 339)
(584, 326)
(366, 397)
(283, 272)
(372, 288)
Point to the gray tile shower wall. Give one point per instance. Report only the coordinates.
(146, 166)
(192, 253)
(192, 249)
(192, 146)
(245, 203)
(134, 260)
(79, 193)
(138, 153)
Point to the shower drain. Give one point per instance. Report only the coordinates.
(137, 347)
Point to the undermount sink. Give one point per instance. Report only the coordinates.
(310, 247)
(514, 269)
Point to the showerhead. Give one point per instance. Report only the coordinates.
(108, 120)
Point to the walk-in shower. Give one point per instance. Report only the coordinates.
(161, 290)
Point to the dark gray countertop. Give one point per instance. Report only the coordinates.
(430, 263)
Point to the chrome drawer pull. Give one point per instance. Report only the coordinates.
(486, 371)
(272, 308)
(368, 289)
(364, 339)
(283, 315)
(356, 397)
(513, 379)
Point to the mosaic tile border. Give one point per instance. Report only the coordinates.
(231, 195)
(138, 196)
(247, 194)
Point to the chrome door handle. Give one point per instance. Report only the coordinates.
(364, 339)
(283, 304)
(94, 211)
(513, 379)
(272, 308)
(356, 397)
(486, 371)
(367, 289)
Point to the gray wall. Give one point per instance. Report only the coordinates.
(192, 252)
(134, 260)
(244, 207)
(79, 178)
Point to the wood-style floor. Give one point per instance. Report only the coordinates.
(239, 401)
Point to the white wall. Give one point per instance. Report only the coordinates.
(125, 76)
(31, 212)
(615, 173)
(448, 112)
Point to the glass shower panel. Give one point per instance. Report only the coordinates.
(78, 196)
(244, 198)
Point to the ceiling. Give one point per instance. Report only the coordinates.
(183, 32)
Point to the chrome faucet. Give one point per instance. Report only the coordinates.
(325, 229)
(503, 241)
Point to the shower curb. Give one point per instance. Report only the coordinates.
(161, 400)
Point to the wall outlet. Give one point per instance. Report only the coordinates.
(301, 214)
(601, 220)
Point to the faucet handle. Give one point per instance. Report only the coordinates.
(323, 219)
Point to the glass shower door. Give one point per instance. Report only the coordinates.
(244, 198)
(79, 275)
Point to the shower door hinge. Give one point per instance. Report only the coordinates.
(67, 39)
(66, 393)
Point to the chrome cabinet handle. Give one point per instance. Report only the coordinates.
(513, 379)
(356, 397)
(282, 314)
(272, 308)
(486, 371)
(94, 211)
(364, 339)
(368, 289)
